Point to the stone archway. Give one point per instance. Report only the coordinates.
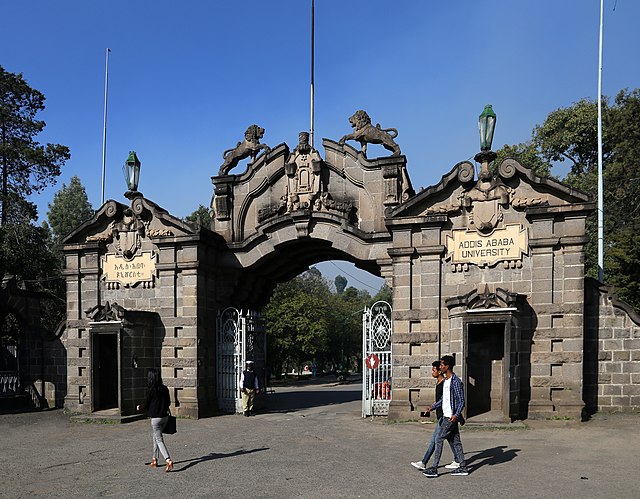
(512, 232)
(276, 225)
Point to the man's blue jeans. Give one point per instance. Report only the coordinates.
(449, 431)
(432, 443)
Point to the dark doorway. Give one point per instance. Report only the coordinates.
(485, 371)
(105, 362)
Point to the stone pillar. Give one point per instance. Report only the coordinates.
(542, 260)
(400, 349)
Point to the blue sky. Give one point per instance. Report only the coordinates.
(186, 79)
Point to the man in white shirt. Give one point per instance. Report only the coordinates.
(452, 403)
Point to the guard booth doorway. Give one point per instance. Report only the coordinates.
(486, 373)
(105, 372)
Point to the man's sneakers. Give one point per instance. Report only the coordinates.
(460, 472)
(419, 465)
(430, 473)
(452, 466)
(433, 472)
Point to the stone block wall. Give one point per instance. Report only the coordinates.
(41, 353)
(546, 345)
(183, 335)
(612, 351)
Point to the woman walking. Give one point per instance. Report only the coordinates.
(157, 406)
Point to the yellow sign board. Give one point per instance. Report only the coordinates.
(140, 268)
(509, 243)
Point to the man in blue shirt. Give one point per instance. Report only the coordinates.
(452, 403)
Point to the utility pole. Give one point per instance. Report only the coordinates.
(600, 186)
(104, 128)
(311, 130)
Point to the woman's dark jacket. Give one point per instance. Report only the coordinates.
(158, 402)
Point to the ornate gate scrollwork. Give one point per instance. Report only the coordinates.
(376, 365)
(240, 337)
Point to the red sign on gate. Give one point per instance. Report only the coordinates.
(372, 361)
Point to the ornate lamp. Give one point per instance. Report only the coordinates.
(486, 125)
(131, 170)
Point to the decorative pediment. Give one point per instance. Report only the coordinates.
(513, 186)
(485, 300)
(106, 312)
(299, 183)
(125, 227)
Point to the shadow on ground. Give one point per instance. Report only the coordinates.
(490, 457)
(211, 457)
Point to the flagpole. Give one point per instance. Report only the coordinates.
(600, 186)
(104, 128)
(311, 131)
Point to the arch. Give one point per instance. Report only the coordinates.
(285, 247)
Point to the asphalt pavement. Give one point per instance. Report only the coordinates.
(312, 443)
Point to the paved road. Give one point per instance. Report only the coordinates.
(313, 444)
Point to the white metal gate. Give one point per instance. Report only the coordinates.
(376, 355)
(240, 337)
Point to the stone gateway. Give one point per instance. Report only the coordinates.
(488, 269)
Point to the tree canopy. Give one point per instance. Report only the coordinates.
(69, 209)
(25, 165)
(200, 217)
(340, 283)
(306, 321)
(570, 135)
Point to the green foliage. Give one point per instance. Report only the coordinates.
(621, 181)
(570, 134)
(340, 283)
(69, 209)
(26, 166)
(622, 263)
(27, 254)
(384, 294)
(9, 335)
(305, 320)
(296, 321)
(201, 217)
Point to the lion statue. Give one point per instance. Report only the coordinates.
(250, 146)
(366, 133)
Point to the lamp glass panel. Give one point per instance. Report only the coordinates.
(482, 126)
(136, 176)
(491, 125)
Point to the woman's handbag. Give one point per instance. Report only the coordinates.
(170, 427)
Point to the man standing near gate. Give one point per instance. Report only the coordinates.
(452, 403)
(250, 387)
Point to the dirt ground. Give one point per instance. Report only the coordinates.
(312, 442)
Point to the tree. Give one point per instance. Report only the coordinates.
(305, 321)
(340, 283)
(296, 319)
(69, 209)
(570, 134)
(201, 217)
(25, 165)
(384, 294)
(27, 254)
